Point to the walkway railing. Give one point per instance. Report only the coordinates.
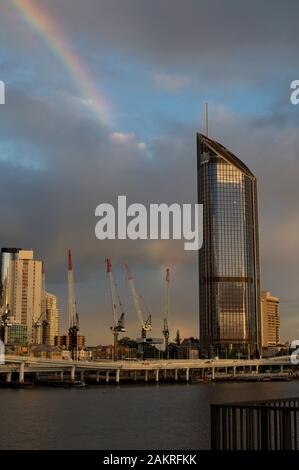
(261, 425)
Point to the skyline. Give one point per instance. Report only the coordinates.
(58, 162)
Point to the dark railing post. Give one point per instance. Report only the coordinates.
(264, 428)
(215, 428)
(286, 430)
(234, 430)
(249, 429)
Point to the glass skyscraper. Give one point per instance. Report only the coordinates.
(229, 279)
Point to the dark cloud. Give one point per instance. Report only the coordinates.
(219, 40)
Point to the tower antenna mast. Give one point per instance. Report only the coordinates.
(207, 118)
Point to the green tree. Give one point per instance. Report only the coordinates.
(177, 339)
(127, 342)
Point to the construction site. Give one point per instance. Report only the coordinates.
(35, 333)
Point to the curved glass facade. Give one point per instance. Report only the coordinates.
(229, 259)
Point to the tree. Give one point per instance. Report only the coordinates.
(127, 342)
(177, 339)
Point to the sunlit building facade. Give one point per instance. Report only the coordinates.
(229, 280)
(22, 288)
(52, 320)
(270, 320)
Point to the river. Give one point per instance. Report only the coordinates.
(122, 417)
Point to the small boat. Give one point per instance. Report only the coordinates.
(78, 384)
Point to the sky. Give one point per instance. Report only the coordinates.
(104, 98)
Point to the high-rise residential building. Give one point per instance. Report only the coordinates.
(270, 320)
(51, 320)
(229, 279)
(23, 290)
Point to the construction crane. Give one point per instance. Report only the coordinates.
(5, 324)
(165, 331)
(72, 308)
(40, 325)
(118, 323)
(5, 317)
(45, 322)
(146, 325)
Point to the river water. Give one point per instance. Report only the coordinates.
(122, 417)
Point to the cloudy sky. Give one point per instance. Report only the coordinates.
(103, 97)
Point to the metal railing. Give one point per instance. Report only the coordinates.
(260, 425)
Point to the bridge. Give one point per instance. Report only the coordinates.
(146, 370)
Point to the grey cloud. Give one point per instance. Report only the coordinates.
(217, 40)
(222, 40)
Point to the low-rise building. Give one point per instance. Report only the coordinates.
(63, 341)
(102, 352)
(188, 349)
(16, 349)
(44, 351)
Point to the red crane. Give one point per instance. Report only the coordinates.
(165, 331)
(72, 308)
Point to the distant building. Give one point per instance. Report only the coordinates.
(44, 351)
(101, 352)
(188, 349)
(66, 355)
(63, 341)
(270, 320)
(52, 320)
(21, 277)
(84, 355)
(16, 333)
(16, 349)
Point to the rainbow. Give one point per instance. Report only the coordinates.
(41, 21)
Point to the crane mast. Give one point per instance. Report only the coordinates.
(145, 325)
(165, 331)
(40, 324)
(118, 324)
(72, 310)
(5, 324)
(5, 318)
(45, 322)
